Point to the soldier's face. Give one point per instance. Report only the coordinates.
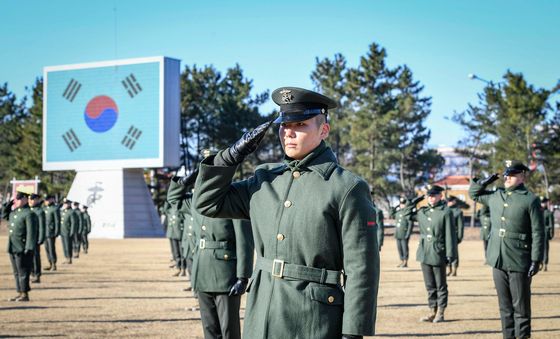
(434, 198)
(300, 138)
(20, 202)
(513, 180)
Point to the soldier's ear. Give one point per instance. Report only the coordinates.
(325, 129)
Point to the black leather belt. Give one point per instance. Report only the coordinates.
(281, 269)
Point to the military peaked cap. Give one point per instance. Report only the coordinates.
(514, 167)
(298, 104)
(434, 189)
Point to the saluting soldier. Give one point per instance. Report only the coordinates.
(69, 224)
(86, 228)
(438, 245)
(52, 230)
(35, 207)
(222, 264)
(313, 226)
(453, 205)
(516, 244)
(403, 229)
(548, 229)
(22, 240)
(483, 215)
(77, 238)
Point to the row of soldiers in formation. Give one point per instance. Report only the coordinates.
(33, 222)
(316, 236)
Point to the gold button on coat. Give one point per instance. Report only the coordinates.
(505, 205)
(330, 299)
(503, 218)
(287, 203)
(226, 256)
(296, 174)
(280, 236)
(203, 228)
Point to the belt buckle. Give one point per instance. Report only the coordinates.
(502, 232)
(202, 244)
(429, 237)
(277, 272)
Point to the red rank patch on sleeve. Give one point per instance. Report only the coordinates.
(371, 223)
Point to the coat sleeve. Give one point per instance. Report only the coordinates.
(361, 261)
(215, 195)
(177, 196)
(460, 226)
(537, 230)
(450, 235)
(244, 247)
(479, 193)
(42, 226)
(56, 215)
(380, 228)
(32, 231)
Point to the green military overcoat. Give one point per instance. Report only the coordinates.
(174, 223)
(310, 213)
(380, 227)
(52, 221)
(549, 223)
(86, 223)
(403, 224)
(483, 215)
(69, 222)
(79, 219)
(517, 234)
(224, 247)
(179, 198)
(438, 236)
(41, 233)
(459, 224)
(23, 230)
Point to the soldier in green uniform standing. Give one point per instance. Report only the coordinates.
(460, 227)
(175, 228)
(22, 240)
(516, 245)
(403, 229)
(52, 230)
(548, 229)
(317, 268)
(222, 263)
(35, 207)
(77, 238)
(437, 247)
(483, 215)
(69, 224)
(86, 228)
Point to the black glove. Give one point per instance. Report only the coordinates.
(448, 260)
(188, 180)
(487, 181)
(533, 269)
(416, 200)
(351, 336)
(236, 153)
(239, 287)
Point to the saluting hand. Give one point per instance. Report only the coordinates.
(416, 200)
(188, 180)
(248, 143)
(487, 181)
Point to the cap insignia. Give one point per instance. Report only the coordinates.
(287, 95)
(508, 163)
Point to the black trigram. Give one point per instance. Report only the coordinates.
(71, 90)
(131, 85)
(71, 140)
(131, 137)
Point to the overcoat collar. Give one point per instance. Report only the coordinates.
(321, 161)
(520, 189)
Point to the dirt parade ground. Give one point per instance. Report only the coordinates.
(124, 288)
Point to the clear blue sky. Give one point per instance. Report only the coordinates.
(276, 42)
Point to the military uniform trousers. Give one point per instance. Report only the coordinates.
(402, 247)
(455, 262)
(36, 272)
(50, 248)
(435, 279)
(76, 243)
(220, 315)
(514, 299)
(485, 243)
(85, 242)
(177, 252)
(21, 265)
(67, 246)
(546, 248)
